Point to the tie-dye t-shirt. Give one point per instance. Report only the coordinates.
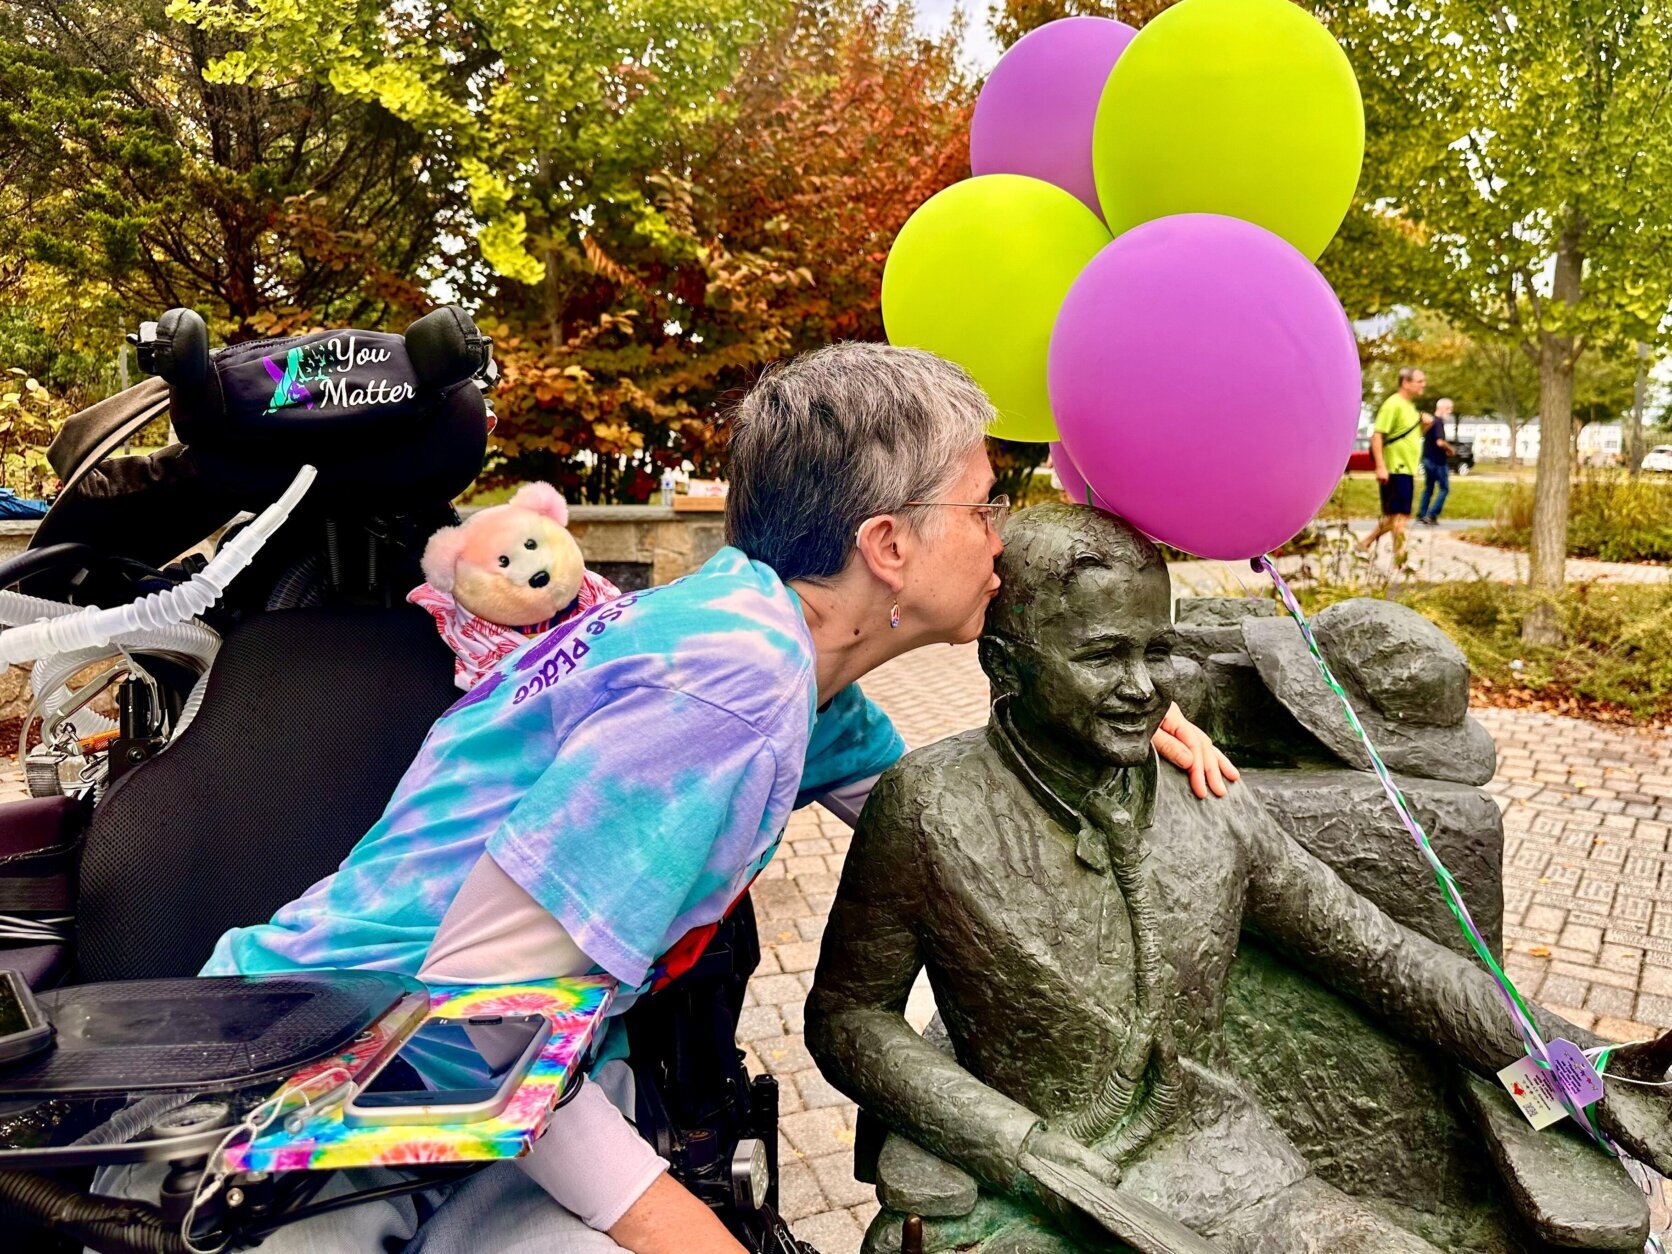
(632, 769)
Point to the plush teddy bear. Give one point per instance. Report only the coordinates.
(506, 573)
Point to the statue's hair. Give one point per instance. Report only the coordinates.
(1047, 546)
(839, 435)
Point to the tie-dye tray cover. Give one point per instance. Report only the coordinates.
(576, 1007)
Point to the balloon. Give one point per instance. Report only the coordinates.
(976, 275)
(1241, 107)
(1035, 112)
(1207, 384)
(1073, 482)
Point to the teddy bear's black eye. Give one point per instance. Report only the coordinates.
(529, 544)
(504, 561)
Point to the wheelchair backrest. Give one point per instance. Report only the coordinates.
(309, 720)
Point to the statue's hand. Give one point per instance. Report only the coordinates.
(1637, 1116)
(1063, 1150)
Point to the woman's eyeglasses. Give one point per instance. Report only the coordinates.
(997, 510)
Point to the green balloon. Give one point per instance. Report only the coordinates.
(977, 275)
(1246, 108)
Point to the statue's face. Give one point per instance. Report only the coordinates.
(1100, 673)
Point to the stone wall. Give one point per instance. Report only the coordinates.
(644, 545)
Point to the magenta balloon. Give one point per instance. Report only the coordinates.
(1073, 482)
(1036, 111)
(1206, 382)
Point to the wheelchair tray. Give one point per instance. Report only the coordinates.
(82, 1105)
(203, 1035)
(576, 1007)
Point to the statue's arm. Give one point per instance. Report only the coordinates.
(1422, 989)
(856, 1028)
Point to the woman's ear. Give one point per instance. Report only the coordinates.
(881, 550)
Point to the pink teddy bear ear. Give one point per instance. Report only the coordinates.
(542, 498)
(441, 556)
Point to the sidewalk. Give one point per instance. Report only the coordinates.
(1588, 910)
(1438, 555)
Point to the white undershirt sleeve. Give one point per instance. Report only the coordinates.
(591, 1159)
(847, 801)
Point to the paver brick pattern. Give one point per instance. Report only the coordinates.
(1588, 910)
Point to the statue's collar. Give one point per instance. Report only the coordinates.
(1137, 785)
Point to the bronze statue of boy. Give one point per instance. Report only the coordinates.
(1077, 912)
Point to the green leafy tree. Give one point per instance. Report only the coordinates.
(1012, 19)
(128, 167)
(1518, 181)
(838, 124)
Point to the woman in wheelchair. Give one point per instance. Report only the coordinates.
(601, 800)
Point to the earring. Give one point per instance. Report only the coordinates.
(894, 615)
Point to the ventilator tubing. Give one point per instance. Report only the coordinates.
(51, 628)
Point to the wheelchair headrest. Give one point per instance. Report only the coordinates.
(369, 408)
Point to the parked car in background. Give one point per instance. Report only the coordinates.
(1659, 458)
(1462, 457)
(1360, 458)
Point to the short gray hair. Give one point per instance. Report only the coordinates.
(1406, 373)
(840, 435)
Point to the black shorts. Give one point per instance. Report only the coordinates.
(1397, 494)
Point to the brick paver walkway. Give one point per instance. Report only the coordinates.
(1588, 915)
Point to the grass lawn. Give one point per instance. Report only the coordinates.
(1471, 497)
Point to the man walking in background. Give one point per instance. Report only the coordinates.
(1436, 462)
(1395, 446)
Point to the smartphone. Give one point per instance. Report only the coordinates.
(24, 1029)
(450, 1071)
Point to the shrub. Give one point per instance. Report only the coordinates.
(1610, 516)
(1617, 661)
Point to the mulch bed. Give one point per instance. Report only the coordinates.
(1483, 692)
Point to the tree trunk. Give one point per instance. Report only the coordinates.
(1547, 553)
(1634, 428)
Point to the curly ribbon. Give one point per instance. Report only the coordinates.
(1520, 1015)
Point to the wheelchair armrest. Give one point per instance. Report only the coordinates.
(913, 1181)
(1570, 1193)
(34, 826)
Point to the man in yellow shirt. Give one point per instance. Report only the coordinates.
(1396, 448)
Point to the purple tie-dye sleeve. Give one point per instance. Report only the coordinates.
(656, 808)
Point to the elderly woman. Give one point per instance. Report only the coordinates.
(616, 785)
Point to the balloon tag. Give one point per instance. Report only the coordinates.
(1534, 1087)
(1534, 1090)
(1574, 1072)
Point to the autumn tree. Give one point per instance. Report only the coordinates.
(1517, 180)
(837, 125)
